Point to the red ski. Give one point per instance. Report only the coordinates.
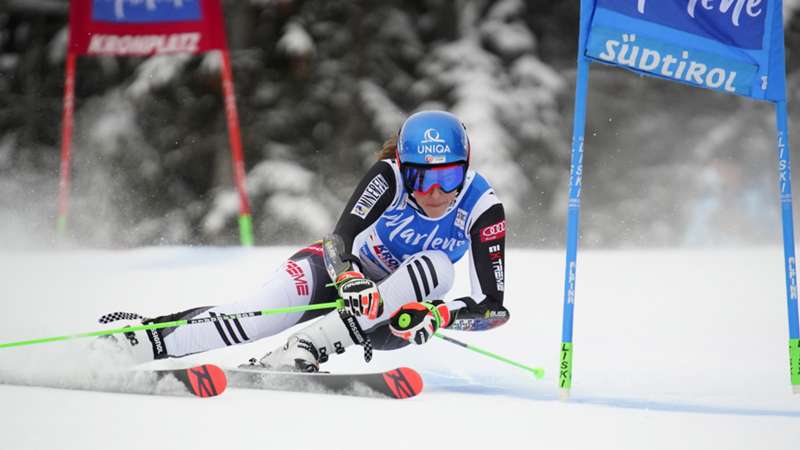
(207, 380)
(397, 383)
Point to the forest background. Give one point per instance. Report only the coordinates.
(321, 84)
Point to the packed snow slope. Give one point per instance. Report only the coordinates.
(673, 349)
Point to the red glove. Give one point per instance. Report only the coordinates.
(417, 322)
(361, 296)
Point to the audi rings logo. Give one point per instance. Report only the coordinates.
(493, 232)
(431, 136)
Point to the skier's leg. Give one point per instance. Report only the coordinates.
(425, 276)
(383, 339)
(288, 286)
(299, 281)
(305, 349)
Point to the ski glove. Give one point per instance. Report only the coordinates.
(360, 295)
(417, 322)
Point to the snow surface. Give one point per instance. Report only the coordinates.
(673, 349)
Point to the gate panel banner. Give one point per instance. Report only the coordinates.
(145, 27)
(733, 46)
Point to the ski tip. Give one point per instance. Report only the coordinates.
(404, 382)
(207, 380)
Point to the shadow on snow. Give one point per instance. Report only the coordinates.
(439, 382)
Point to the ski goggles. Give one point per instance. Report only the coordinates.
(424, 178)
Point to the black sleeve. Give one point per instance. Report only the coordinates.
(488, 251)
(371, 198)
(488, 235)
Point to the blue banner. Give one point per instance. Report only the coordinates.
(733, 22)
(733, 46)
(146, 11)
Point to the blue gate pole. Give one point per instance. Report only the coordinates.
(574, 205)
(790, 265)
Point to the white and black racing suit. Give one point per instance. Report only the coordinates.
(410, 255)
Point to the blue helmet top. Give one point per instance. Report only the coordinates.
(432, 138)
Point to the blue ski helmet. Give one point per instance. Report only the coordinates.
(432, 138)
(433, 150)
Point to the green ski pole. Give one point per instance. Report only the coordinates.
(176, 323)
(537, 371)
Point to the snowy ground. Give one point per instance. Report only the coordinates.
(673, 349)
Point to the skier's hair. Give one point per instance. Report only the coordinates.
(389, 149)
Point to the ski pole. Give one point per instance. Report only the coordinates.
(537, 371)
(177, 323)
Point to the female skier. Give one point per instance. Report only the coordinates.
(417, 211)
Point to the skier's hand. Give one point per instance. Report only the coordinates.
(417, 322)
(361, 296)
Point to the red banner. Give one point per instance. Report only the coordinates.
(145, 27)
